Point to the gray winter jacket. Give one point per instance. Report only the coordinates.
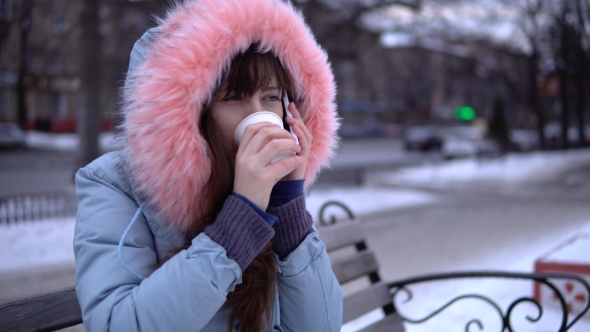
(187, 292)
(136, 205)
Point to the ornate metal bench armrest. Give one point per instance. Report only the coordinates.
(544, 278)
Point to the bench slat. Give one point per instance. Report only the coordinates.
(341, 235)
(42, 313)
(391, 323)
(354, 266)
(365, 300)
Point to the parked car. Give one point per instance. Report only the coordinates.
(423, 138)
(463, 141)
(11, 136)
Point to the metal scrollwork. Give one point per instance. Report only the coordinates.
(544, 278)
(332, 219)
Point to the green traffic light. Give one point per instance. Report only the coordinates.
(466, 113)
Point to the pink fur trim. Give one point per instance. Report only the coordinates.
(167, 154)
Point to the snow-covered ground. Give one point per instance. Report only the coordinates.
(366, 200)
(49, 242)
(513, 169)
(65, 142)
(502, 291)
(36, 244)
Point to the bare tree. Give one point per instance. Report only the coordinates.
(6, 15)
(533, 12)
(90, 74)
(339, 26)
(553, 34)
(579, 27)
(571, 53)
(26, 23)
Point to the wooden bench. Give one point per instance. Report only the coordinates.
(48, 312)
(355, 264)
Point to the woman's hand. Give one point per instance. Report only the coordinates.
(305, 141)
(255, 176)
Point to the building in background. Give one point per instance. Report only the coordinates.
(52, 57)
(383, 83)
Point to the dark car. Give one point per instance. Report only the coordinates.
(425, 138)
(11, 136)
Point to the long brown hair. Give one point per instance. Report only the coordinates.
(253, 299)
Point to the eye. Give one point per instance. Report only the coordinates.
(273, 98)
(231, 97)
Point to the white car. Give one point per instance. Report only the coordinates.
(11, 136)
(462, 141)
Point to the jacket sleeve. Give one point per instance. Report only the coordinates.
(310, 296)
(181, 295)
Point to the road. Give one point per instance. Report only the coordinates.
(32, 171)
(468, 229)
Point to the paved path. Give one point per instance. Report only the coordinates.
(468, 231)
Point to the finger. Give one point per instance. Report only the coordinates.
(293, 109)
(277, 146)
(303, 138)
(302, 132)
(283, 167)
(258, 135)
(297, 117)
(251, 130)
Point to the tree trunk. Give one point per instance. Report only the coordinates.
(21, 87)
(91, 79)
(562, 63)
(534, 98)
(564, 109)
(580, 112)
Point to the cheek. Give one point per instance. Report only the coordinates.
(277, 109)
(226, 125)
(227, 129)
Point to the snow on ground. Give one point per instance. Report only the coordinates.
(366, 200)
(512, 169)
(431, 296)
(36, 244)
(49, 242)
(65, 142)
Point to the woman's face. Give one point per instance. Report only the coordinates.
(229, 109)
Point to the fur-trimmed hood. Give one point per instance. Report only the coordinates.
(173, 71)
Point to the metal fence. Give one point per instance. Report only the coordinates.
(37, 206)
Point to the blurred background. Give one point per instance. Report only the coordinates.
(465, 126)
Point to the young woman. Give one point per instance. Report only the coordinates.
(184, 230)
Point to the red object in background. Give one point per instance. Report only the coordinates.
(569, 257)
(106, 125)
(66, 125)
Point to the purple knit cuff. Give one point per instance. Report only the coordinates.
(293, 226)
(240, 230)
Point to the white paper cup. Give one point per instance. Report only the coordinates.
(255, 118)
(263, 116)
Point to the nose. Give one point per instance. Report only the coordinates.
(253, 105)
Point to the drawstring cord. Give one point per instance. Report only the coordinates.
(120, 249)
